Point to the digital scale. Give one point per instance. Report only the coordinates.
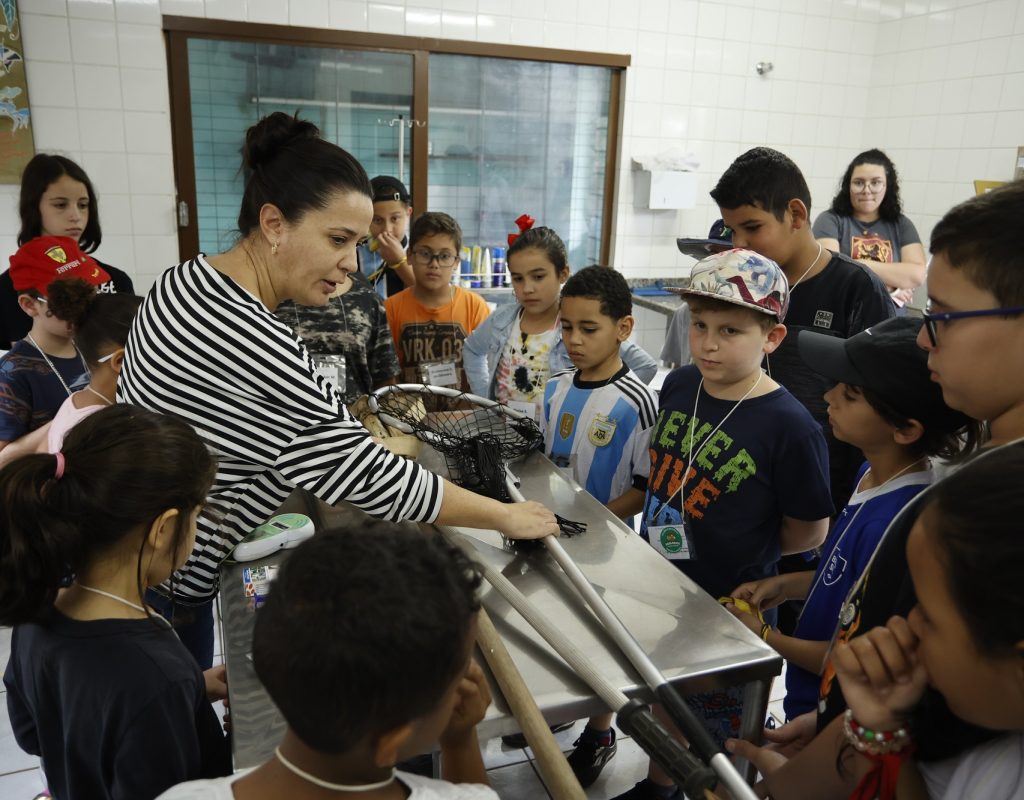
(282, 532)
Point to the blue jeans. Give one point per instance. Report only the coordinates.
(193, 624)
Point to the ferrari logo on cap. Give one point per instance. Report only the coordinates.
(57, 254)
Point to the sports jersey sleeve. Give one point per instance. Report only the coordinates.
(641, 456)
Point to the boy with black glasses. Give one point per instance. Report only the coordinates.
(431, 320)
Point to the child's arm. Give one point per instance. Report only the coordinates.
(34, 442)
(799, 536)
(461, 761)
(474, 359)
(771, 592)
(627, 504)
(804, 653)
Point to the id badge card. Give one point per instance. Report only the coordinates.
(332, 370)
(443, 373)
(672, 541)
(531, 410)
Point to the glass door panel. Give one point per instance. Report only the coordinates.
(508, 137)
(351, 95)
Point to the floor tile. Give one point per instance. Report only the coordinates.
(497, 755)
(22, 785)
(12, 757)
(517, 782)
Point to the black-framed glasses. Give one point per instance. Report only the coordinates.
(423, 257)
(931, 321)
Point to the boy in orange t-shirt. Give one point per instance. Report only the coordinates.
(431, 320)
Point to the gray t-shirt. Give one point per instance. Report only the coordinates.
(676, 349)
(880, 240)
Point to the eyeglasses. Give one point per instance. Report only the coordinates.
(423, 257)
(875, 184)
(931, 321)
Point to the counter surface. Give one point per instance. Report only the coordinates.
(690, 638)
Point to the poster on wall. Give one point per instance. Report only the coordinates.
(16, 146)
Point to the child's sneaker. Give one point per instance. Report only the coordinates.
(647, 790)
(593, 750)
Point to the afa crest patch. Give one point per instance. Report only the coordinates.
(601, 430)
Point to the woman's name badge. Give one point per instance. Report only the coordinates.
(441, 374)
(670, 540)
(331, 369)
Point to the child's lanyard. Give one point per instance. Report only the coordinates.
(675, 541)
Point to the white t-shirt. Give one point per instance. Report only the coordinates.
(991, 771)
(420, 788)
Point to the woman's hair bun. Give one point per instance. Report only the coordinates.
(270, 135)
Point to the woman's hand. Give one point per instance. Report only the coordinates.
(470, 708)
(881, 674)
(527, 520)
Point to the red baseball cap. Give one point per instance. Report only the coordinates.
(46, 259)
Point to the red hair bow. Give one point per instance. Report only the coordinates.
(524, 223)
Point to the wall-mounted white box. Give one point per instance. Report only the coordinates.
(664, 189)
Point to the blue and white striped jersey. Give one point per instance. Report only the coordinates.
(600, 430)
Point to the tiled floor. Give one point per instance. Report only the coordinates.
(513, 773)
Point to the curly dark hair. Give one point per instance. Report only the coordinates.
(365, 628)
(891, 207)
(605, 285)
(100, 320)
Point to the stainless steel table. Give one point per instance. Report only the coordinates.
(692, 640)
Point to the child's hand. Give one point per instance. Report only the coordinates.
(216, 683)
(746, 617)
(390, 248)
(881, 674)
(470, 708)
(763, 594)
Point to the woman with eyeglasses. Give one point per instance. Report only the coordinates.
(866, 223)
(207, 347)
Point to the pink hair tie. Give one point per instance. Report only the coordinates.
(59, 472)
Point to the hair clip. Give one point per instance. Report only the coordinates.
(524, 223)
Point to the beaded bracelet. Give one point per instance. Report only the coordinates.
(874, 743)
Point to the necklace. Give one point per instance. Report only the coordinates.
(111, 596)
(335, 787)
(708, 438)
(49, 363)
(820, 250)
(102, 397)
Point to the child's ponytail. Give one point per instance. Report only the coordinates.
(119, 469)
(38, 542)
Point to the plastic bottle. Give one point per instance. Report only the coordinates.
(498, 267)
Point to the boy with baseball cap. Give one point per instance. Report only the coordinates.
(739, 468)
(42, 370)
(383, 259)
(885, 404)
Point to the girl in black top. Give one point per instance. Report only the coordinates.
(98, 685)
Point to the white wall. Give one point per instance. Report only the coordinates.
(939, 83)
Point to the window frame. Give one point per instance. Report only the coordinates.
(178, 30)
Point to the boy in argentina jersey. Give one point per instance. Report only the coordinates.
(739, 468)
(598, 417)
(597, 422)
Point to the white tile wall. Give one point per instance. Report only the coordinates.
(940, 85)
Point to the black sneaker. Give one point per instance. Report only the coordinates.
(645, 790)
(589, 757)
(518, 740)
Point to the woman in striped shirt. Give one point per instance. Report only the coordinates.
(207, 347)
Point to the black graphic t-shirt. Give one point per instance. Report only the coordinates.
(841, 300)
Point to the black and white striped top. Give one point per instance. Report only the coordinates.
(206, 350)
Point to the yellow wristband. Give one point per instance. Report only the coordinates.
(765, 630)
(397, 264)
